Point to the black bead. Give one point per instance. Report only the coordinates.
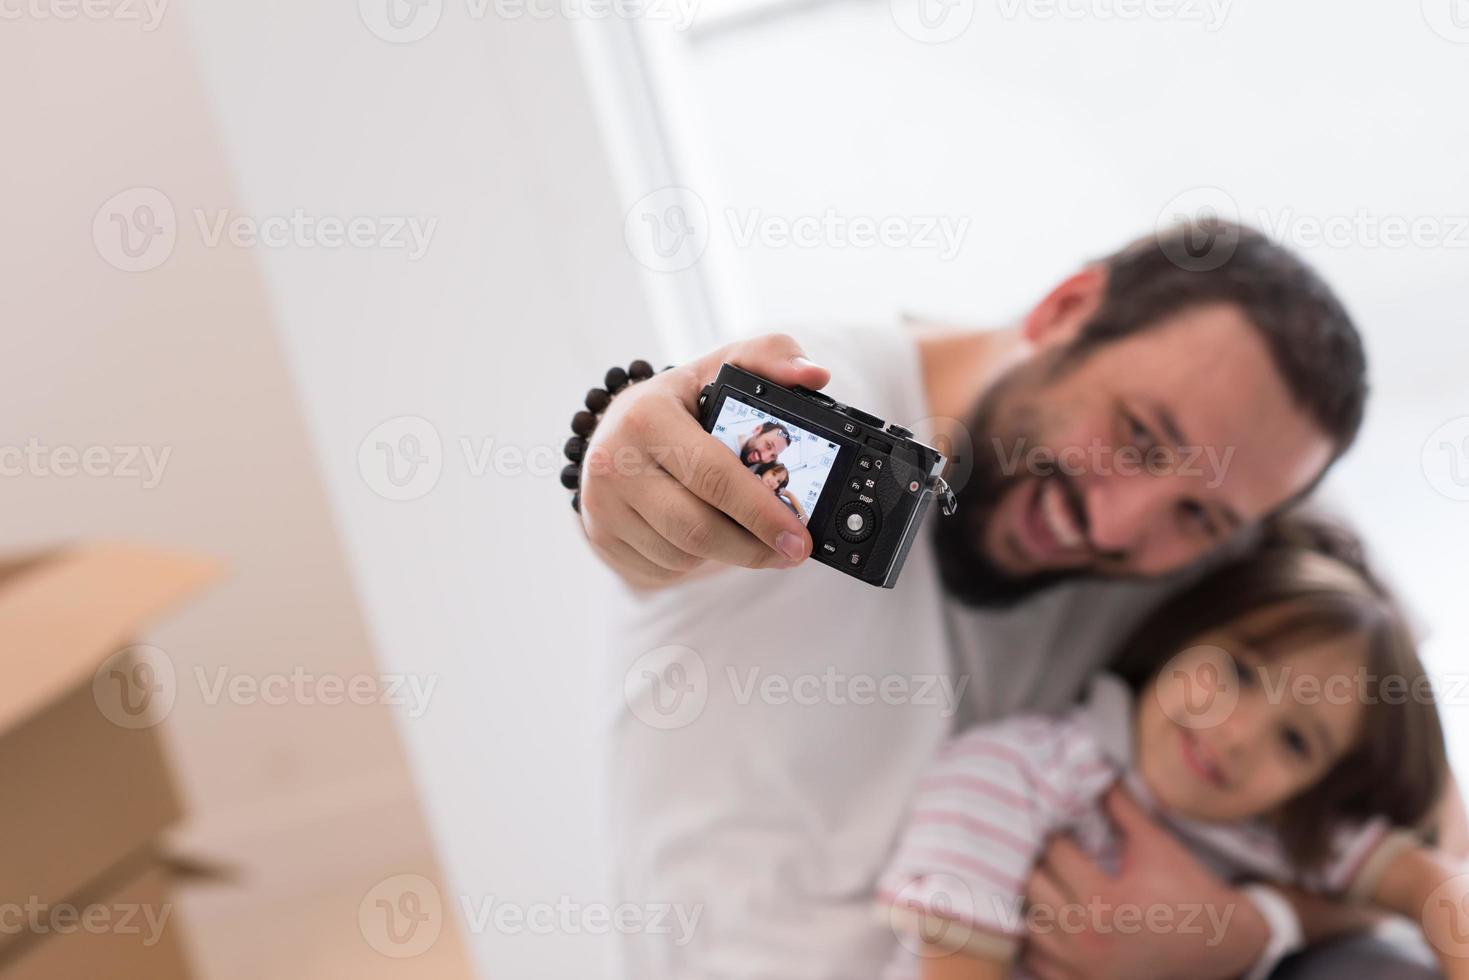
(616, 379)
(582, 423)
(640, 370)
(574, 448)
(598, 400)
(571, 476)
(576, 501)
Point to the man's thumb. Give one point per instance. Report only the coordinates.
(779, 358)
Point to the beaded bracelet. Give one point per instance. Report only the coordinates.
(584, 423)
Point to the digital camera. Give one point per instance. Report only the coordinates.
(860, 488)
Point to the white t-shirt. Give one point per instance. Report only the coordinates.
(774, 724)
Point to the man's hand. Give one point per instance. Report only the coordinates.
(660, 496)
(1164, 916)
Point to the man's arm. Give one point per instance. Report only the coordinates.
(661, 497)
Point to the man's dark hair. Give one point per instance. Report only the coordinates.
(1310, 336)
(775, 427)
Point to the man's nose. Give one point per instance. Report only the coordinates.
(1121, 511)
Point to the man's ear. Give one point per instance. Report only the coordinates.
(1059, 317)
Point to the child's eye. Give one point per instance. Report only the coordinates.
(1295, 742)
(1137, 433)
(1244, 674)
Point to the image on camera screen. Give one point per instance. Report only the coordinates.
(793, 463)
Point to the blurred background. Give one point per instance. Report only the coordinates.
(318, 286)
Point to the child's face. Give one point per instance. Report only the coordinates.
(1225, 733)
(772, 478)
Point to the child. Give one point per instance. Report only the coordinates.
(1274, 717)
(776, 477)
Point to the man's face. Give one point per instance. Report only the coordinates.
(763, 447)
(1135, 459)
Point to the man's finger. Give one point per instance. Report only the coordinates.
(1129, 816)
(1076, 874)
(716, 475)
(775, 357)
(693, 526)
(655, 547)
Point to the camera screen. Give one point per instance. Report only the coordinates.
(793, 463)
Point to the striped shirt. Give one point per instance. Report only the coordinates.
(984, 811)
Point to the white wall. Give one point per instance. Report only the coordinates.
(525, 296)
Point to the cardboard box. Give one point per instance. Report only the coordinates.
(126, 929)
(86, 782)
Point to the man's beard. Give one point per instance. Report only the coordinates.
(967, 572)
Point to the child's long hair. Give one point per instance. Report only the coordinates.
(1398, 768)
(764, 468)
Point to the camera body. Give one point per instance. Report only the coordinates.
(860, 487)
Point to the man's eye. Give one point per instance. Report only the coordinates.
(1295, 742)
